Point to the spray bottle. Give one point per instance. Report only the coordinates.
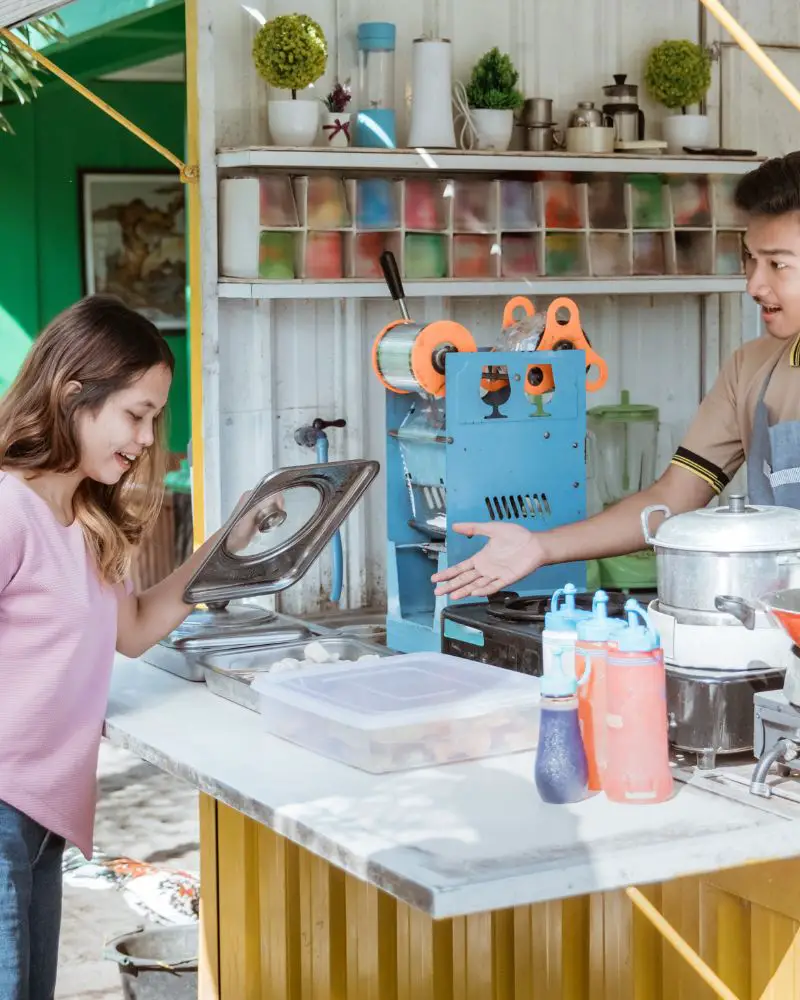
(594, 636)
(637, 747)
(560, 771)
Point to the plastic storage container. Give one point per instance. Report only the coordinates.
(403, 712)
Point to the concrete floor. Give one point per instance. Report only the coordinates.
(144, 814)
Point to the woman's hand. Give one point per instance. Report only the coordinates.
(511, 553)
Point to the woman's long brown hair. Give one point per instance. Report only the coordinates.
(104, 346)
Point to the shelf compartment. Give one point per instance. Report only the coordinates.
(377, 201)
(694, 252)
(609, 254)
(649, 201)
(519, 206)
(728, 257)
(520, 255)
(426, 204)
(475, 255)
(651, 253)
(565, 255)
(726, 214)
(691, 202)
(323, 255)
(607, 202)
(474, 205)
(366, 249)
(425, 256)
(279, 254)
(323, 203)
(563, 201)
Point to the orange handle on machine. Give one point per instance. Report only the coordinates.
(556, 333)
(546, 384)
(518, 302)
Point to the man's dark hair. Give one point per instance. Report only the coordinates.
(773, 188)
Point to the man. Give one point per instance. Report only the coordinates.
(752, 415)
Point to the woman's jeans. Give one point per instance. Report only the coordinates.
(30, 907)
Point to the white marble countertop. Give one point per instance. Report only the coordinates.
(452, 840)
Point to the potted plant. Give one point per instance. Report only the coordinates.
(336, 126)
(678, 75)
(492, 97)
(290, 52)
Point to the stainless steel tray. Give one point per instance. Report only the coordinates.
(243, 661)
(232, 685)
(230, 674)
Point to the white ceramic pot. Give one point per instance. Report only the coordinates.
(336, 128)
(686, 130)
(493, 129)
(293, 123)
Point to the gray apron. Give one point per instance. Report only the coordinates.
(773, 462)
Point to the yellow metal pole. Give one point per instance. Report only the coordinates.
(195, 294)
(188, 173)
(668, 932)
(754, 50)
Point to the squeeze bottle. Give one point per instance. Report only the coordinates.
(593, 636)
(637, 747)
(559, 630)
(560, 771)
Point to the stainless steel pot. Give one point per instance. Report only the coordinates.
(706, 558)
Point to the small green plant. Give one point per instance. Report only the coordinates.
(290, 52)
(493, 84)
(18, 69)
(678, 74)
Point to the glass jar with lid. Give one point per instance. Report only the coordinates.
(376, 117)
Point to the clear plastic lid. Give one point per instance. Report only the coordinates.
(401, 690)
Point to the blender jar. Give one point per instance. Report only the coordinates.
(623, 440)
(375, 120)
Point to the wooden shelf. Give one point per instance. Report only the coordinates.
(351, 288)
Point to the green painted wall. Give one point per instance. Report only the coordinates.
(57, 135)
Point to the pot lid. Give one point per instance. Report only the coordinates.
(300, 509)
(738, 527)
(625, 411)
(621, 89)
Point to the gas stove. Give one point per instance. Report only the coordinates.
(507, 631)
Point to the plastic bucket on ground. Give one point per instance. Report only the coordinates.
(157, 964)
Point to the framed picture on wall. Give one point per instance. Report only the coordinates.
(134, 241)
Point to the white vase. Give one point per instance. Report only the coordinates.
(431, 94)
(336, 128)
(493, 128)
(686, 130)
(293, 122)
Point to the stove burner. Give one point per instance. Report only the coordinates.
(511, 607)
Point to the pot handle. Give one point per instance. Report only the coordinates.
(645, 518)
(737, 607)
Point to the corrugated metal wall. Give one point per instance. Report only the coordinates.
(270, 367)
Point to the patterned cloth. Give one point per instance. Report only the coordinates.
(161, 895)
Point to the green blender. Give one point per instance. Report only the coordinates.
(623, 440)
